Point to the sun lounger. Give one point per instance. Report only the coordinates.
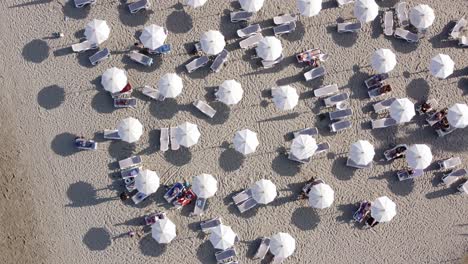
(277, 260)
(219, 61)
(154, 217)
(314, 73)
(262, 249)
(463, 42)
(375, 80)
(296, 159)
(197, 63)
(349, 27)
(242, 196)
(207, 225)
(390, 153)
(376, 92)
(204, 108)
(340, 114)
(164, 139)
(322, 147)
(174, 144)
(448, 164)
(249, 31)
(99, 56)
(138, 5)
(139, 197)
(461, 24)
(327, 90)
(152, 93)
(383, 105)
(284, 29)
(164, 49)
(362, 211)
(251, 41)
(125, 102)
(111, 134)
(247, 205)
(406, 35)
(199, 208)
(130, 162)
(463, 188)
(140, 58)
(351, 163)
(130, 184)
(452, 177)
(311, 131)
(82, 3)
(383, 122)
(433, 119)
(270, 64)
(405, 175)
(241, 16)
(284, 19)
(442, 133)
(130, 172)
(432, 102)
(185, 199)
(401, 11)
(344, 2)
(83, 46)
(388, 23)
(84, 144)
(340, 125)
(335, 99)
(174, 192)
(225, 255)
(309, 56)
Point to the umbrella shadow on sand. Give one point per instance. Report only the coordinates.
(344, 40)
(36, 51)
(83, 194)
(206, 253)
(305, 218)
(179, 22)
(283, 166)
(51, 97)
(97, 239)
(178, 157)
(231, 160)
(149, 246)
(63, 144)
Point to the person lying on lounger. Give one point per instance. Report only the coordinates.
(385, 89)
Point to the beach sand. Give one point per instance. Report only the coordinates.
(60, 206)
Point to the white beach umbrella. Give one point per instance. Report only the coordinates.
(383, 209)
(230, 92)
(419, 156)
(163, 231)
(195, 3)
(212, 42)
(441, 66)
(321, 196)
(187, 134)
(366, 10)
(402, 110)
(245, 141)
(285, 97)
(282, 245)
(130, 129)
(421, 16)
(153, 36)
(383, 60)
(269, 48)
(114, 80)
(303, 146)
(97, 31)
(222, 237)
(264, 191)
(251, 5)
(362, 152)
(170, 85)
(309, 8)
(147, 182)
(204, 185)
(458, 115)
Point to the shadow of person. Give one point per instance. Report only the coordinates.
(133, 20)
(51, 97)
(36, 51)
(283, 166)
(178, 157)
(63, 144)
(83, 194)
(97, 239)
(231, 160)
(179, 22)
(149, 246)
(305, 218)
(418, 89)
(206, 253)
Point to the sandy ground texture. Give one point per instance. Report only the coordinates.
(60, 206)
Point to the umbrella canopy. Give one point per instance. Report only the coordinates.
(303, 146)
(222, 237)
(212, 42)
(309, 8)
(195, 3)
(130, 129)
(147, 182)
(187, 134)
(366, 10)
(383, 60)
(421, 16)
(321, 196)
(163, 231)
(282, 245)
(204, 185)
(362, 152)
(245, 141)
(419, 156)
(97, 31)
(383, 209)
(251, 5)
(153, 36)
(264, 191)
(170, 85)
(285, 97)
(441, 66)
(402, 110)
(458, 115)
(230, 92)
(114, 80)
(269, 48)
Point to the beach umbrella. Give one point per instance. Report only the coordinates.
(204, 185)
(195, 3)
(383, 60)
(230, 92)
(153, 36)
(269, 48)
(366, 10)
(421, 16)
(222, 237)
(383, 209)
(163, 231)
(285, 97)
(362, 152)
(97, 31)
(321, 196)
(251, 5)
(282, 245)
(187, 134)
(441, 66)
(264, 191)
(212, 42)
(114, 80)
(458, 115)
(402, 110)
(419, 156)
(170, 85)
(303, 146)
(309, 8)
(147, 182)
(130, 129)
(245, 141)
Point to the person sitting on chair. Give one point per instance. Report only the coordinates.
(386, 88)
(425, 107)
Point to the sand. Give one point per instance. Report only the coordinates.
(60, 206)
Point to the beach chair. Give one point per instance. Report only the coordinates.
(199, 207)
(130, 162)
(262, 249)
(140, 58)
(152, 93)
(204, 108)
(239, 16)
(139, 197)
(84, 46)
(401, 11)
(174, 192)
(432, 119)
(130, 172)
(450, 163)
(390, 153)
(322, 147)
(82, 3)
(327, 90)
(406, 35)
(432, 102)
(174, 144)
(453, 176)
(463, 188)
(457, 29)
(125, 92)
(335, 99)
(311, 131)
(351, 163)
(130, 184)
(138, 5)
(164, 140)
(277, 260)
(225, 255)
(247, 205)
(184, 199)
(314, 73)
(340, 114)
(130, 102)
(249, 31)
(99, 56)
(197, 63)
(242, 196)
(340, 125)
(198, 48)
(284, 19)
(284, 29)
(84, 144)
(269, 64)
(376, 92)
(405, 175)
(362, 211)
(463, 42)
(349, 27)
(251, 41)
(387, 24)
(383, 122)
(207, 225)
(111, 134)
(383, 105)
(375, 80)
(296, 159)
(219, 61)
(154, 217)
(341, 3)
(164, 49)
(308, 56)
(442, 133)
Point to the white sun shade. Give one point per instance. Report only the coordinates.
(204, 185)
(97, 31)
(230, 92)
(419, 156)
(269, 48)
(245, 141)
(303, 146)
(153, 36)
(321, 196)
(362, 152)
(402, 110)
(421, 16)
(366, 10)
(383, 60)
(212, 42)
(195, 3)
(285, 97)
(222, 237)
(163, 231)
(309, 8)
(264, 191)
(147, 182)
(170, 85)
(251, 5)
(441, 66)
(383, 209)
(282, 245)
(458, 115)
(130, 129)
(187, 134)
(114, 80)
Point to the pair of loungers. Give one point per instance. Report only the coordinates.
(138, 5)
(285, 24)
(167, 138)
(244, 200)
